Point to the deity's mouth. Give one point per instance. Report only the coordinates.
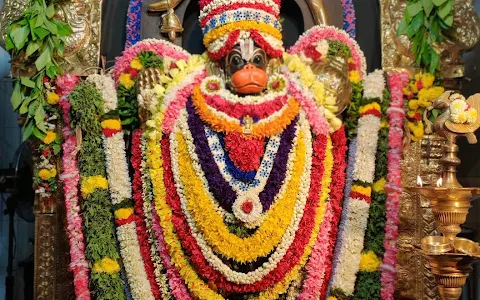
(249, 84)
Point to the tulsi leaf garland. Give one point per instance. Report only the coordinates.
(358, 200)
(138, 267)
(368, 281)
(101, 251)
(70, 178)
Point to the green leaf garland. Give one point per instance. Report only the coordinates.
(97, 210)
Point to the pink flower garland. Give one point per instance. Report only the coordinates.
(161, 48)
(396, 116)
(174, 106)
(322, 32)
(319, 266)
(315, 117)
(70, 178)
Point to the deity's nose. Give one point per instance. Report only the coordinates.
(249, 67)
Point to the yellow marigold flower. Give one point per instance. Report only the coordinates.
(354, 76)
(112, 124)
(123, 213)
(50, 137)
(411, 113)
(418, 76)
(427, 80)
(423, 94)
(436, 92)
(332, 298)
(423, 103)
(367, 191)
(106, 265)
(413, 88)
(126, 81)
(92, 183)
(418, 131)
(136, 64)
(406, 90)
(369, 262)
(379, 185)
(411, 126)
(53, 172)
(52, 98)
(44, 174)
(413, 104)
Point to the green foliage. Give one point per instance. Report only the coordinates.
(35, 39)
(87, 108)
(128, 108)
(425, 23)
(150, 59)
(351, 119)
(336, 48)
(368, 286)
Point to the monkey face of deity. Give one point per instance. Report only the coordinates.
(245, 69)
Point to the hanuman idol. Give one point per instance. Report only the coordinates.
(244, 152)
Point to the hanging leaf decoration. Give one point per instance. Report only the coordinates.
(425, 23)
(34, 40)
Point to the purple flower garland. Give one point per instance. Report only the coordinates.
(218, 186)
(134, 18)
(349, 20)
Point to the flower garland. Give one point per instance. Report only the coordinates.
(319, 268)
(134, 17)
(368, 282)
(357, 203)
(148, 209)
(138, 265)
(101, 251)
(349, 20)
(396, 82)
(339, 41)
(70, 178)
(419, 94)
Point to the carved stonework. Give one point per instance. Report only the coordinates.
(44, 287)
(82, 51)
(416, 219)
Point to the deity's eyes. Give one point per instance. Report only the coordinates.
(236, 62)
(259, 59)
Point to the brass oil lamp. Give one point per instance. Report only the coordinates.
(450, 258)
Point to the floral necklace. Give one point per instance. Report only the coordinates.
(255, 117)
(230, 192)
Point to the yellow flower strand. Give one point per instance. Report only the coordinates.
(259, 130)
(196, 286)
(112, 124)
(216, 233)
(369, 262)
(123, 213)
(295, 273)
(241, 25)
(106, 265)
(367, 191)
(92, 183)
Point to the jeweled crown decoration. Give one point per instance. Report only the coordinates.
(225, 22)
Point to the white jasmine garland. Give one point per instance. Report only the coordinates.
(138, 282)
(106, 86)
(117, 168)
(257, 209)
(287, 240)
(368, 127)
(345, 274)
(374, 85)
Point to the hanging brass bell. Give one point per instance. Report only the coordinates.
(171, 24)
(163, 5)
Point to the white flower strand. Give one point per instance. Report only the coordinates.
(287, 240)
